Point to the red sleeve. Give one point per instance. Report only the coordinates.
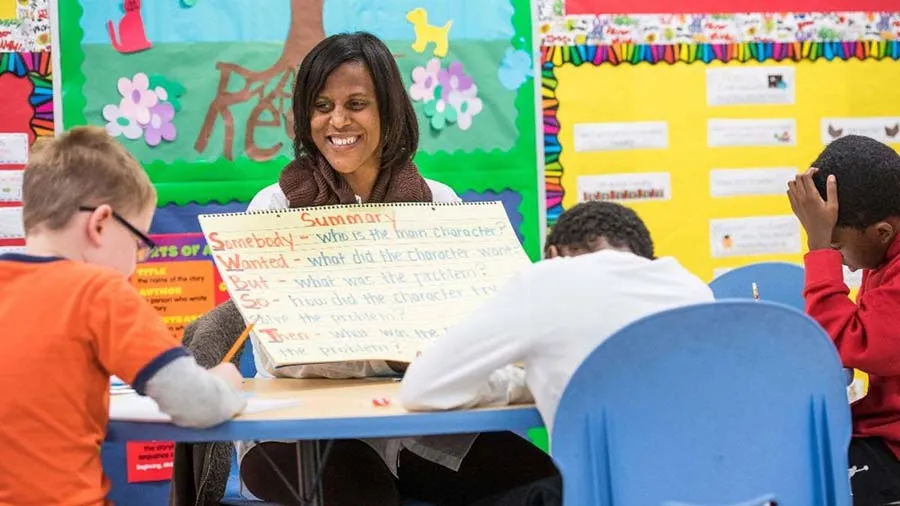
(864, 332)
(130, 338)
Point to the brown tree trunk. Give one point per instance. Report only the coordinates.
(304, 32)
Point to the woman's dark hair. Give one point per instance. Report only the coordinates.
(399, 126)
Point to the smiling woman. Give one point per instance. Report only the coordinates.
(355, 134)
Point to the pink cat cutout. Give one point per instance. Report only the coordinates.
(132, 37)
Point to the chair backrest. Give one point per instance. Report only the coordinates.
(780, 282)
(713, 404)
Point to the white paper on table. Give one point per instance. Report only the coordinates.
(884, 129)
(625, 187)
(722, 133)
(758, 235)
(621, 136)
(137, 408)
(11, 223)
(762, 181)
(11, 185)
(750, 86)
(13, 149)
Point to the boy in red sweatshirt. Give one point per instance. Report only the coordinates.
(849, 204)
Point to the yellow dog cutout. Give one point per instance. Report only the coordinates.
(426, 33)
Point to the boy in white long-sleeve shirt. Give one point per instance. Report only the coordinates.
(601, 274)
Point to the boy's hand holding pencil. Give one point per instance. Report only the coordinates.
(226, 370)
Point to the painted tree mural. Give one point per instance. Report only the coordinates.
(271, 88)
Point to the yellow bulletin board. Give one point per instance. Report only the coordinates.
(605, 76)
(677, 95)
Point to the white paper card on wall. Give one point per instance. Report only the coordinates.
(750, 86)
(13, 149)
(758, 235)
(11, 249)
(884, 129)
(625, 187)
(762, 181)
(723, 133)
(11, 185)
(11, 223)
(852, 279)
(621, 136)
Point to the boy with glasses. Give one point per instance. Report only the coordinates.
(71, 320)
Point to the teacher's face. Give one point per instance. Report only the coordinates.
(345, 124)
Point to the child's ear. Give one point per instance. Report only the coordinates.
(885, 232)
(552, 252)
(98, 221)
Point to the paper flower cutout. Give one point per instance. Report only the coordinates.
(449, 94)
(425, 80)
(167, 90)
(147, 109)
(160, 126)
(118, 123)
(439, 112)
(466, 104)
(453, 78)
(137, 99)
(515, 68)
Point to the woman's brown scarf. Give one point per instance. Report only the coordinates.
(308, 183)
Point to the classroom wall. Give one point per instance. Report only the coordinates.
(27, 103)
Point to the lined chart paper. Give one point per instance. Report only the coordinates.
(365, 282)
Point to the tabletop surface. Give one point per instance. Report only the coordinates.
(333, 409)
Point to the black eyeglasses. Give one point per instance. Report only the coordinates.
(145, 244)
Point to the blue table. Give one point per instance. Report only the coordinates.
(331, 409)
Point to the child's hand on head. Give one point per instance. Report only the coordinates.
(817, 216)
(229, 373)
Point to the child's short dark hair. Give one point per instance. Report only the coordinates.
(82, 167)
(868, 179)
(399, 126)
(583, 224)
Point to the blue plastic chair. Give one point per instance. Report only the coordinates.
(780, 282)
(723, 403)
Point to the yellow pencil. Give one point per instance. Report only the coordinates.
(237, 344)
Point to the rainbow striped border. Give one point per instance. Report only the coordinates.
(37, 67)
(618, 54)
